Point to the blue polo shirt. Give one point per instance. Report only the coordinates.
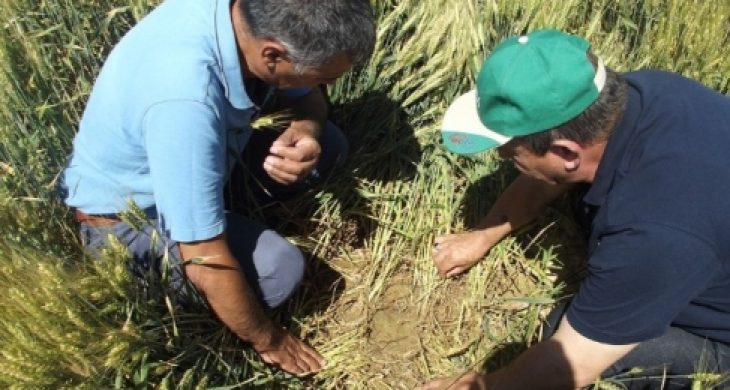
(167, 117)
(660, 244)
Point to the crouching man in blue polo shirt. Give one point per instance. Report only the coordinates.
(653, 148)
(167, 120)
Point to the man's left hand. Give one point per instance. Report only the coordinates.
(293, 155)
(469, 381)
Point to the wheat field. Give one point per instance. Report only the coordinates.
(371, 303)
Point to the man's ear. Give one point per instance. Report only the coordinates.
(569, 151)
(272, 53)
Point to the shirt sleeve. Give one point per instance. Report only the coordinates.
(639, 279)
(186, 148)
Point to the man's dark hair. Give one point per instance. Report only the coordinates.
(314, 32)
(592, 125)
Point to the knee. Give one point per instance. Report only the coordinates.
(282, 270)
(289, 271)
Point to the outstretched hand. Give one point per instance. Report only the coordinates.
(454, 254)
(291, 354)
(469, 381)
(292, 156)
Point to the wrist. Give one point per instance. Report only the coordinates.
(488, 237)
(267, 337)
(495, 228)
(310, 127)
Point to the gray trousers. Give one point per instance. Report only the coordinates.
(272, 266)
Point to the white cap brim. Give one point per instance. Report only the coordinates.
(462, 130)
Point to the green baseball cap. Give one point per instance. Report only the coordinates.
(529, 84)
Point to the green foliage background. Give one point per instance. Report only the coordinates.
(69, 322)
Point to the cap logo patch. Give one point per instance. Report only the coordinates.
(458, 139)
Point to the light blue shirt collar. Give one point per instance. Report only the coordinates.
(228, 55)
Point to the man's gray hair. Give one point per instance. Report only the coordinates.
(314, 32)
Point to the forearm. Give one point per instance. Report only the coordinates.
(568, 360)
(216, 273)
(521, 203)
(542, 366)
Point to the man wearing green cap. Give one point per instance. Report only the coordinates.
(651, 149)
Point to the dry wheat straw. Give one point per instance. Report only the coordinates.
(373, 224)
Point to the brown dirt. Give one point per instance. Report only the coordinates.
(405, 333)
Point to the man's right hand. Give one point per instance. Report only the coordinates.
(289, 353)
(220, 280)
(518, 205)
(453, 254)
